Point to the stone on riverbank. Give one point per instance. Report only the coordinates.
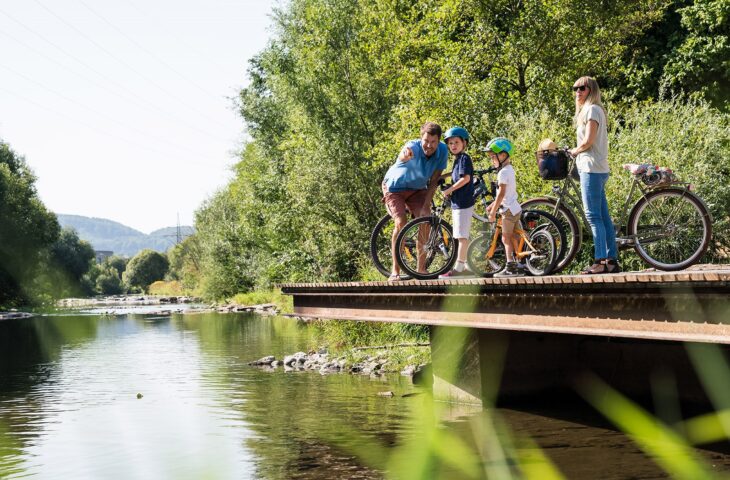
(322, 363)
(14, 315)
(269, 360)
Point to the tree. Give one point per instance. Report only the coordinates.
(117, 263)
(144, 268)
(701, 63)
(27, 229)
(185, 262)
(108, 282)
(71, 254)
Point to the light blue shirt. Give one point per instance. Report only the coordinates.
(416, 172)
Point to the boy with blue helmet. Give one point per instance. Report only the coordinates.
(499, 150)
(461, 192)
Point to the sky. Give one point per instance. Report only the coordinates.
(124, 109)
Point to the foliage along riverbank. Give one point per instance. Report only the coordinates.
(343, 84)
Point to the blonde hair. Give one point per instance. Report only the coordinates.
(593, 98)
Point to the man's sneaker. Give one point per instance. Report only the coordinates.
(454, 274)
(511, 270)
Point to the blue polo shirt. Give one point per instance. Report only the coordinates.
(416, 172)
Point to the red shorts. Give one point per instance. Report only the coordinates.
(397, 202)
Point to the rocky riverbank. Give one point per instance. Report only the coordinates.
(125, 300)
(14, 315)
(354, 362)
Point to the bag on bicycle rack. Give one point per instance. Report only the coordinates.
(552, 164)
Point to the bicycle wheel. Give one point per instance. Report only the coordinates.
(438, 247)
(380, 245)
(672, 228)
(478, 258)
(542, 260)
(534, 220)
(568, 221)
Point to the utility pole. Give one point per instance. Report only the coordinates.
(179, 231)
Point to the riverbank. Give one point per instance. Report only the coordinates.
(357, 347)
(407, 360)
(14, 315)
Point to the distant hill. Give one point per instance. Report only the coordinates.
(104, 234)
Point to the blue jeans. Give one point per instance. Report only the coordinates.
(593, 192)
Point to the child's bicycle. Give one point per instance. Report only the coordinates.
(668, 226)
(534, 246)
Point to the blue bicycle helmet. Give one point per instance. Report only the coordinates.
(499, 144)
(456, 132)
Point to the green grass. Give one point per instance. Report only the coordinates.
(341, 336)
(285, 303)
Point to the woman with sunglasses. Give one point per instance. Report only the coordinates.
(592, 161)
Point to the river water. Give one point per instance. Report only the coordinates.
(69, 408)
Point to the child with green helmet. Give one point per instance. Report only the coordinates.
(499, 150)
(461, 193)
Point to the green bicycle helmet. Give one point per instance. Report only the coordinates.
(498, 145)
(456, 132)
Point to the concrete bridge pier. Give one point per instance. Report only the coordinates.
(479, 366)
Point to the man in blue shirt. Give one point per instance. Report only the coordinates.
(411, 182)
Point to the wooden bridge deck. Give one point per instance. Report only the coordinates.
(691, 305)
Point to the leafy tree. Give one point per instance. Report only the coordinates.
(71, 254)
(144, 268)
(27, 229)
(343, 84)
(117, 263)
(185, 262)
(701, 63)
(108, 282)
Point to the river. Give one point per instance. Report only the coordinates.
(69, 408)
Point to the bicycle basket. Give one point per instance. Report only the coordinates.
(552, 164)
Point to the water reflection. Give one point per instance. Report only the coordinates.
(69, 406)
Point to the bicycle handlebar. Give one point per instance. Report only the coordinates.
(485, 171)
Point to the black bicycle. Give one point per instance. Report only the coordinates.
(382, 234)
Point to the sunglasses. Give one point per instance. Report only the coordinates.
(581, 88)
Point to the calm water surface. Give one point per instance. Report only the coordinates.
(69, 406)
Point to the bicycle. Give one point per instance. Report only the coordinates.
(536, 246)
(381, 236)
(668, 226)
(426, 246)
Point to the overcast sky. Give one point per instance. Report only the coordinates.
(122, 107)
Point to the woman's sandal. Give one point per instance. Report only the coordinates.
(394, 278)
(612, 266)
(599, 266)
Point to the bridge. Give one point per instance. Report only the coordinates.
(625, 326)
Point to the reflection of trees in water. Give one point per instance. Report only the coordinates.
(28, 350)
(282, 419)
(290, 413)
(28, 346)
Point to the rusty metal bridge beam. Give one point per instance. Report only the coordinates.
(687, 306)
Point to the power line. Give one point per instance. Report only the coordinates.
(223, 69)
(96, 112)
(144, 102)
(155, 57)
(92, 127)
(125, 64)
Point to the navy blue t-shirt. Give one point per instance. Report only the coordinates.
(463, 197)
